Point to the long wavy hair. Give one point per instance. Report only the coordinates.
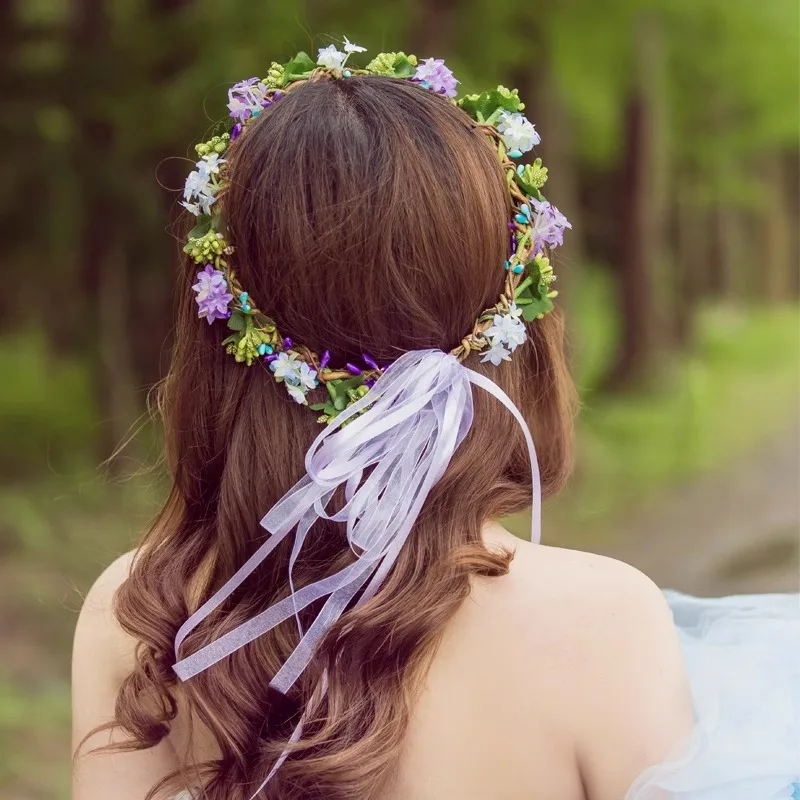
(368, 214)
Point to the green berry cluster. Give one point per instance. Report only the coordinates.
(384, 63)
(216, 144)
(207, 248)
(274, 78)
(244, 346)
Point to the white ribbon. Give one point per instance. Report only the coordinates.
(405, 430)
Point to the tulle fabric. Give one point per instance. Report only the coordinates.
(742, 657)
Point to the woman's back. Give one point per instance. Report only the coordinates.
(562, 679)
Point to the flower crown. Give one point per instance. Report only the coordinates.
(534, 229)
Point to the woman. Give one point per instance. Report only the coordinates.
(397, 642)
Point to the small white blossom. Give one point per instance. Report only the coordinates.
(192, 208)
(206, 201)
(507, 329)
(514, 311)
(307, 377)
(297, 393)
(518, 132)
(330, 57)
(196, 184)
(350, 47)
(209, 165)
(496, 354)
(286, 367)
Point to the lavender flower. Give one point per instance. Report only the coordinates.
(213, 296)
(548, 226)
(518, 132)
(434, 75)
(247, 98)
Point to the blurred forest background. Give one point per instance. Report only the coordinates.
(670, 128)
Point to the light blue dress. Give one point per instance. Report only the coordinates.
(742, 656)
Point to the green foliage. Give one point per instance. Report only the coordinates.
(533, 295)
(341, 393)
(301, 66)
(532, 178)
(47, 412)
(488, 106)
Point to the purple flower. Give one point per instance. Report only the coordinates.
(213, 296)
(247, 98)
(548, 225)
(434, 75)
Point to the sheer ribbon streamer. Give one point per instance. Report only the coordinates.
(401, 435)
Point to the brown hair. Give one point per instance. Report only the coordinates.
(368, 214)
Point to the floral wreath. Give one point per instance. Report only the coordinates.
(535, 228)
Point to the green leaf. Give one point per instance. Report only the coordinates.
(346, 384)
(402, 67)
(542, 305)
(236, 321)
(483, 106)
(301, 66)
(340, 403)
(201, 228)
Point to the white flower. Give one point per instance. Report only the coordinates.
(349, 47)
(297, 393)
(514, 311)
(508, 329)
(286, 367)
(496, 353)
(206, 201)
(192, 208)
(307, 377)
(196, 184)
(518, 132)
(209, 165)
(330, 57)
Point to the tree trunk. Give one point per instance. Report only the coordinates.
(776, 264)
(100, 264)
(641, 220)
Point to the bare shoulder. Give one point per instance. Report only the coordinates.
(598, 642)
(565, 590)
(98, 635)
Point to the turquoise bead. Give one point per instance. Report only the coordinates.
(508, 265)
(268, 349)
(262, 349)
(519, 218)
(347, 73)
(245, 308)
(243, 297)
(515, 153)
(256, 112)
(520, 170)
(517, 269)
